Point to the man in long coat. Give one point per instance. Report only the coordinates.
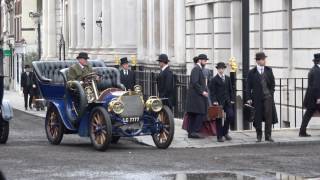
(312, 97)
(260, 93)
(197, 98)
(127, 77)
(27, 85)
(165, 82)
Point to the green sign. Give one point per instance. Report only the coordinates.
(7, 52)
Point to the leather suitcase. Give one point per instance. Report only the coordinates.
(215, 112)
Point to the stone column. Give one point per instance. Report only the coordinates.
(106, 24)
(179, 31)
(89, 23)
(73, 22)
(142, 29)
(52, 38)
(97, 12)
(151, 30)
(80, 18)
(164, 23)
(44, 29)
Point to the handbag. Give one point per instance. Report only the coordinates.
(249, 112)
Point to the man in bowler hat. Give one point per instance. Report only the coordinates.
(165, 82)
(27, 84)
(127, 77)
(260, 93)
(221, 93)
(312, 97)
(197, 98)
(79, 70)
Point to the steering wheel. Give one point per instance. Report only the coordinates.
(90, 76)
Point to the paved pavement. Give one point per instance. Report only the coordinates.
(282, 136)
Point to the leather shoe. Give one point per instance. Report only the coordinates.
(304, 134)
(228, 137)
(269, 139)
(259, 137)
(220, 139)
(195, 136)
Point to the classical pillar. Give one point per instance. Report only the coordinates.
(52, 37)
(164, 23)
(151, 29)
(179, 31)
(73, 23)
(106, 24)
(80, 19)
(142, 29)
(96, 32)
(44, 29)
(89, 23)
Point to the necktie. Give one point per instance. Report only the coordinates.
(261, 70)
(223, 78)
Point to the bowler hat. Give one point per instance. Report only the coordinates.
(124, 60)
(260, 55)
(163, 58)
(83, 55)
(221, 65)
(195, 59)
(203, 57)
(316, 57)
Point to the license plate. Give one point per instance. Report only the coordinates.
(131, 119)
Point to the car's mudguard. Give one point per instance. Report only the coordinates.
(6, 110)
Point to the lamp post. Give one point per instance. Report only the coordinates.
(99, 24)
(36, 17)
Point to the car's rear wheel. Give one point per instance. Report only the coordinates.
(164, 137)
(54, 126)
(4, 131)
(100, 128)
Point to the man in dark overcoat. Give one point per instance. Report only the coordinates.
(197, 98)
(127, 77)
(165, 82)
(221, 94)
(260, 93)
(26, 85)
(312, 97)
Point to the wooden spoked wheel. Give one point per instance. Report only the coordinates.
(164, 137)
(100, 128)
(53, 125)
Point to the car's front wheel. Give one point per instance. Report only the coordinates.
(4, 131)
(164, 137)
(100, 128)
(54, 126)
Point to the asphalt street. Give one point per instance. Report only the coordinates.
(28, 155)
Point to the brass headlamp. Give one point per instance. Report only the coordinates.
(154, 103)
(116, 106)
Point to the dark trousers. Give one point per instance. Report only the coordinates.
(195, 122)
(267, 116)
(26, 102)
(306, 118)
(223, 128)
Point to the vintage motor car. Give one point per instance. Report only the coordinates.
(100, 109)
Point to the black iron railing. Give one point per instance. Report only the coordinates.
(289, 94)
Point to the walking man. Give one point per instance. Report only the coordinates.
(260, 92)
(197, 98)
(221, 93)
(312, 97)
(165, 81)
(26, 85)
(127, 77)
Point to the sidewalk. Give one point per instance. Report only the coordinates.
(182, 141)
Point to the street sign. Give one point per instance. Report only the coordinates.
(7, 52)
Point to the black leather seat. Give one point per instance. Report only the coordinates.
(110, 77)
(49, 71)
